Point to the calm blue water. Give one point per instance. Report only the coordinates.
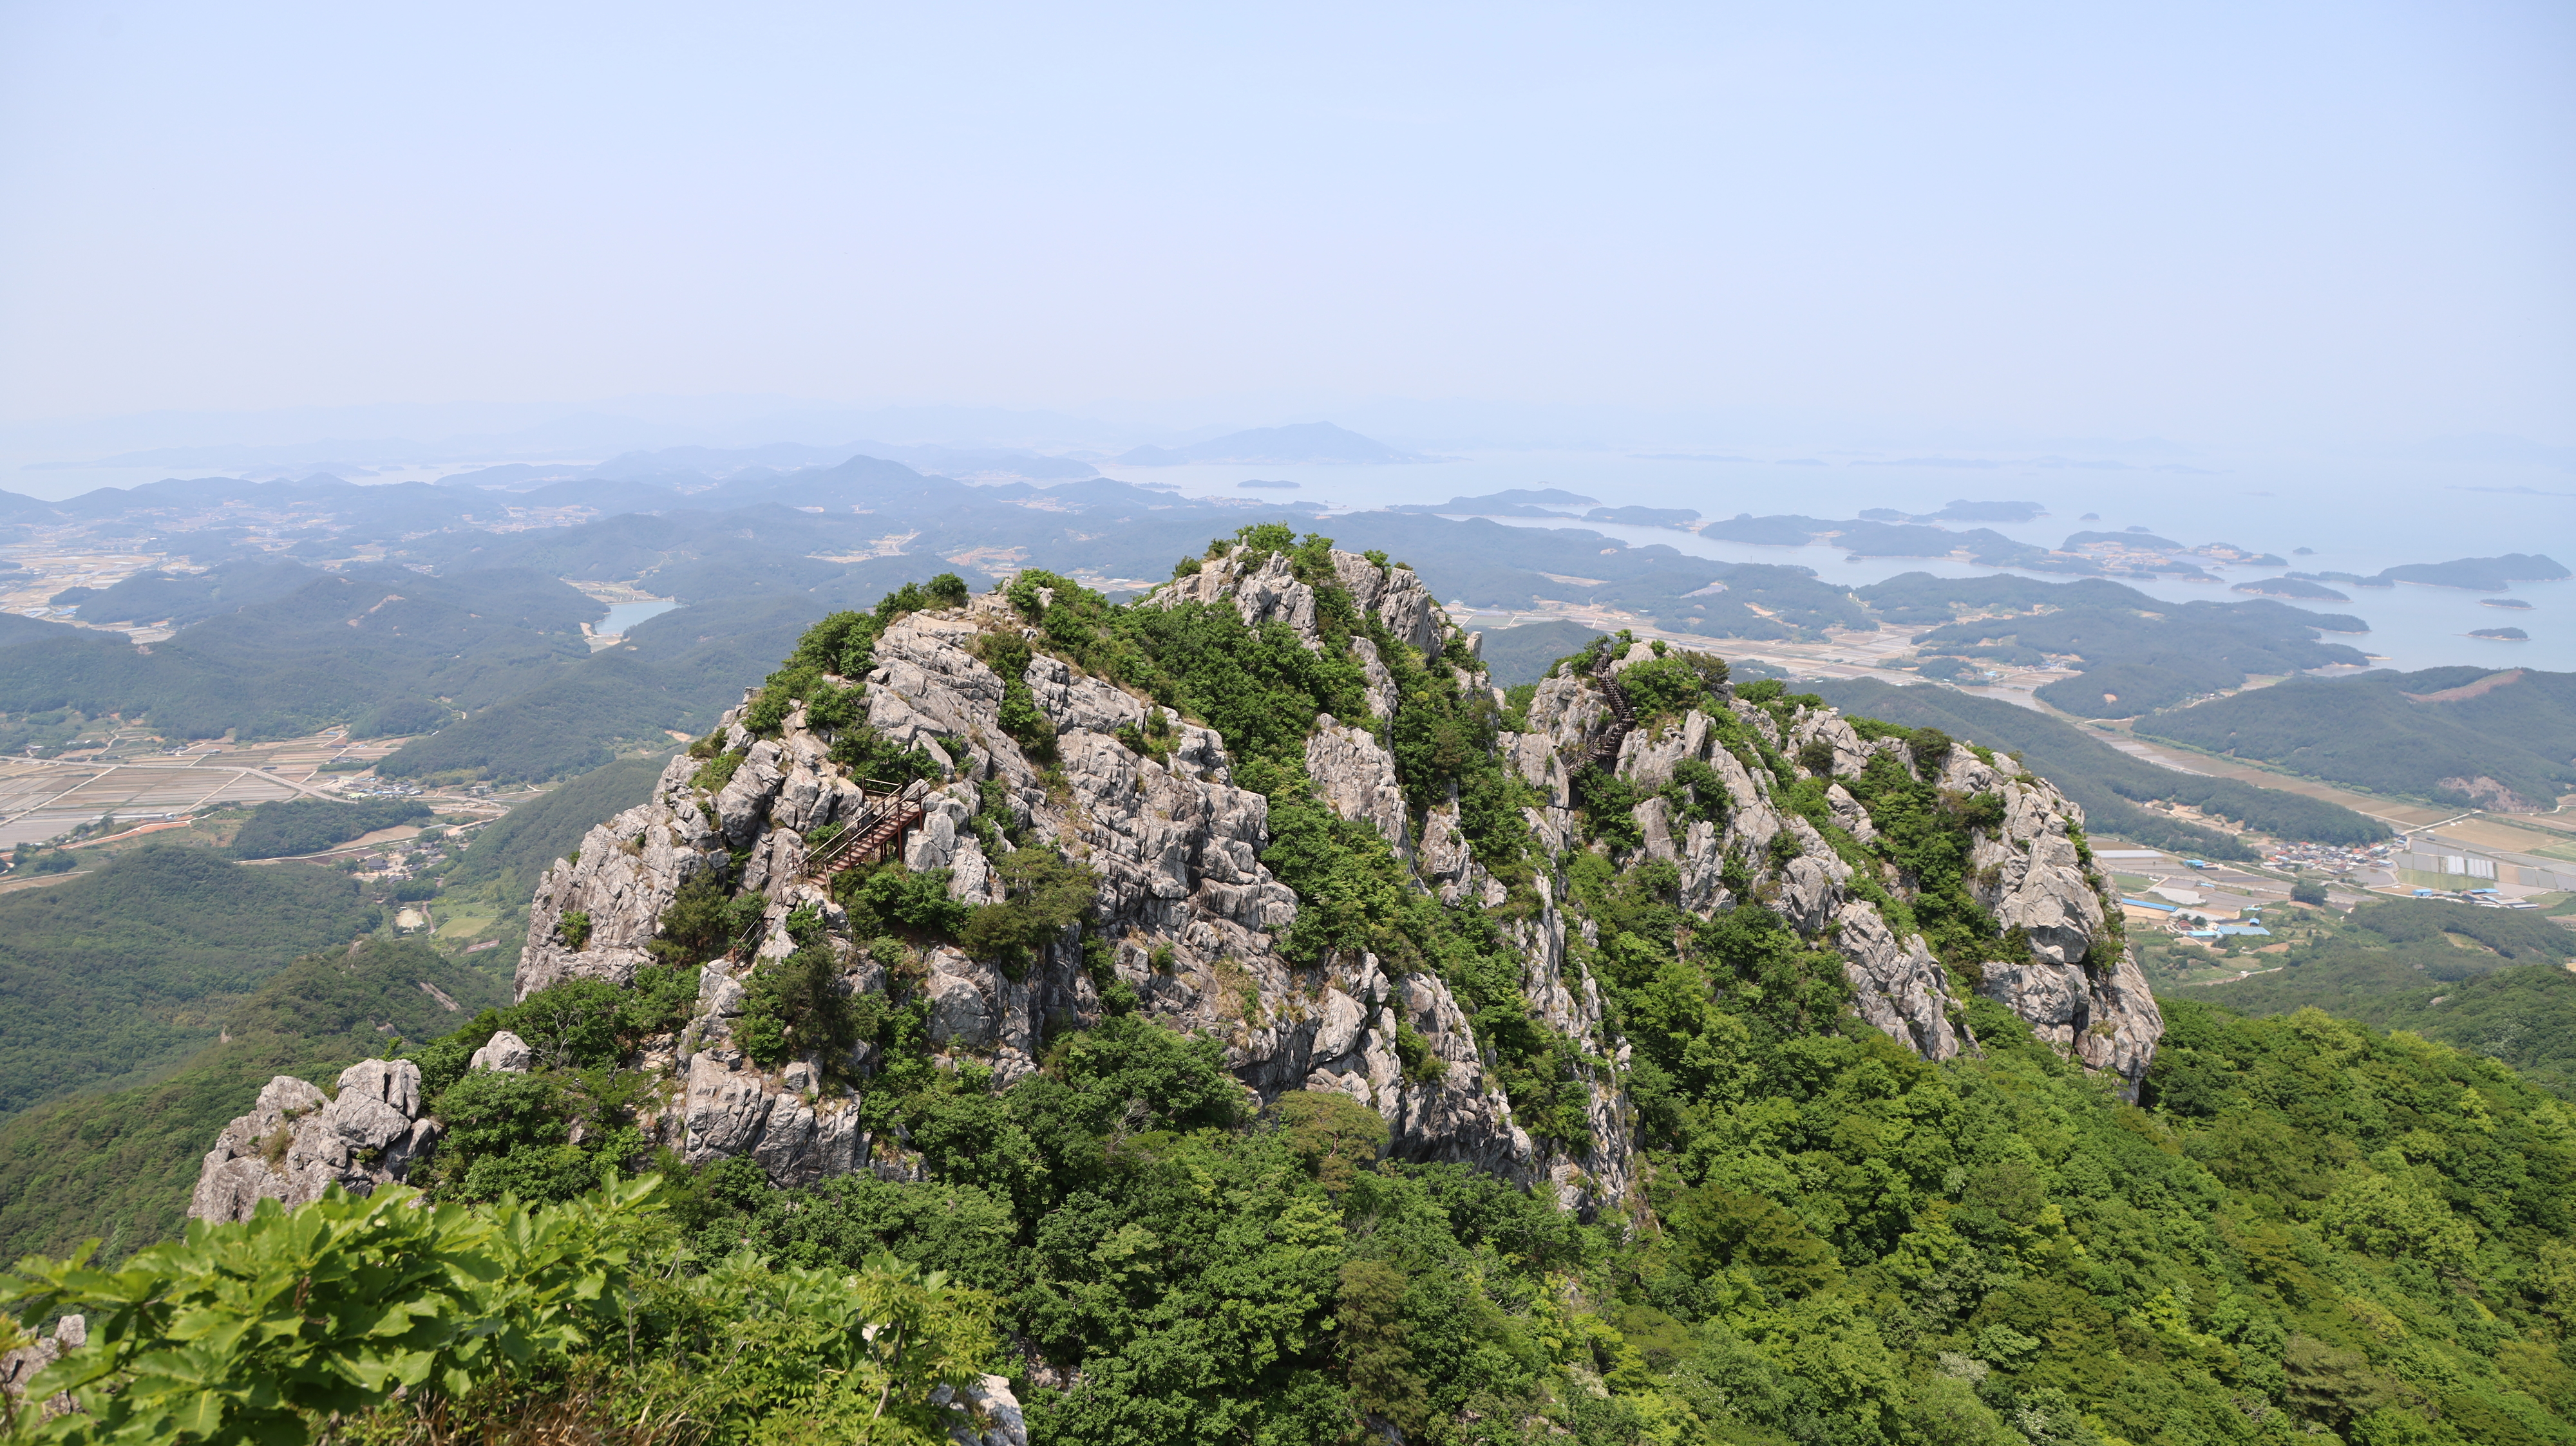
(2358, 516)
(622, 616)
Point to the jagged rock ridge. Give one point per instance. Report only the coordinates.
(1193, 919)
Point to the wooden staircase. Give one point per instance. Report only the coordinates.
(877, 833)
(1623, 718)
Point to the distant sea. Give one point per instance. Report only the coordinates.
(2357, 516)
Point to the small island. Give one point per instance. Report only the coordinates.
(2298, 587)
(1681, 517)
(2485, 574)
(2503, 635)
(2517, 604)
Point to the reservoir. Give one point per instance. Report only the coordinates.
(622, 616)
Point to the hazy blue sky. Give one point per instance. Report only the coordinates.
(2241, 220)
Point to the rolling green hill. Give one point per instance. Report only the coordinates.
(514, 852)
(120, 1164)
(332, 649)
(2454, 735)
(1522, 654)
(130, 969)
(287, 827)
(675, 672)
(2489, 981)
(2134, 653)
(2110, 784)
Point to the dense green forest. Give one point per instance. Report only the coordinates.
(334, 648)
(2303, 1227)
(1520, 655)
(2109, 783)
(119, 1164)
(180, 599)
(294, 826)
(675, 672)
(515, 851)
(132, 967)
(2489, 981)
(2427, 733)
(2306, 1227)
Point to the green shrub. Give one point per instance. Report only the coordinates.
(794, 1007)
(703, 920)
(1668, 686)
(828, 709)
(1607, 803)
(1044, 893)
(867, 754)
(1009, 655)
(716, 772)
(1413, 1051)
(575, 929)
(890, 898)
(489, 1314)
(492, 1112)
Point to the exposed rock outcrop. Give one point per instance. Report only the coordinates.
(1357, 778)
(1189, 920)
(297, 1141)
(18, 1367)
(987, 1414)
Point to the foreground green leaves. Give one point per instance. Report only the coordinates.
(271, 1329)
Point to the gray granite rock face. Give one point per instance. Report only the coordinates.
(1357, 779)
(19, 1366)
(985, 1414)
(506, 1053)
(1189, 918)
(297, 1142)
(2102, 1017)
(1896, 983)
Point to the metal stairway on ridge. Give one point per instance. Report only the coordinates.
(875, 834)
(1623, 718)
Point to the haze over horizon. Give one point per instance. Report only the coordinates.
(2278, 226)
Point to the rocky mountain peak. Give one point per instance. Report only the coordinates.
(1278, 805)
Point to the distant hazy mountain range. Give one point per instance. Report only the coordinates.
(459, 607)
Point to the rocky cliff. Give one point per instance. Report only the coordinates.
(1861, 841)
(297, 1141)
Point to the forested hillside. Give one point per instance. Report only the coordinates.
(514, 853)
(481, 645)
(2461, 736)
(1263, 1035)
(2307, 1227)
(133, 967)
(118, 1164)
(327, 652)
(2135, 654)
(310, 825)
(2109, 783)
(2489, 981)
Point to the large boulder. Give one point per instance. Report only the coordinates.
(298, 1141)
